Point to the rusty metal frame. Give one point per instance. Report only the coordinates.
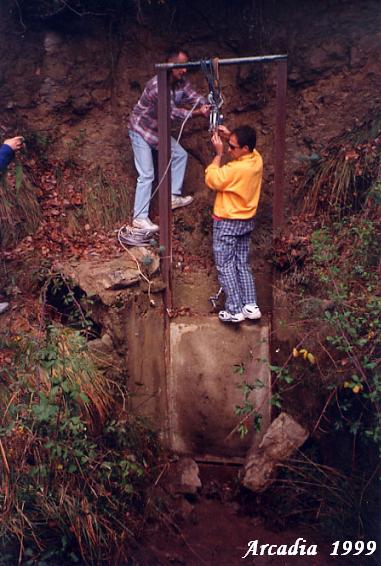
(165, 210)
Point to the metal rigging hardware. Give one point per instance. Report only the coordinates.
(210, 69)
(214, 298)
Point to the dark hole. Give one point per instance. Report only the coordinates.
(70, 306)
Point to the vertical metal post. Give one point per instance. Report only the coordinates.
(279, 144)
(165, 209)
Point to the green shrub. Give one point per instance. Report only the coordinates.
(73, 477)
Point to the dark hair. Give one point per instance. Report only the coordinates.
(173, 51)
(246, 135)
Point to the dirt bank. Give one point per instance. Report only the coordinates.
(69, 83)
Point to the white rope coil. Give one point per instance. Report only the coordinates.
(129, 236)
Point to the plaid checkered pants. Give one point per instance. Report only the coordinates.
(231, 239)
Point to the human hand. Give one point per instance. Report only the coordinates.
(205, 110)
(15, 143)
(217, 143)
(224, 131)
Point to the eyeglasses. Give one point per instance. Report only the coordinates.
(232, 146)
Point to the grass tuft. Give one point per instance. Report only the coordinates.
(340, 182)
(20, 212)
(106, 202)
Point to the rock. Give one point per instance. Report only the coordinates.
(283, 437)
(102, 277)
(52, 42)
(107, 342)
(101, 346)
(189, 480)
(184, 477)
(104, 356)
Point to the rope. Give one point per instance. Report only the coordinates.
(129, 236)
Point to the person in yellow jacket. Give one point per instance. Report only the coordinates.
(237, 185)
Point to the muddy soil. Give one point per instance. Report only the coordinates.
(216, 526)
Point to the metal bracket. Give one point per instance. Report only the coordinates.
(214, 298)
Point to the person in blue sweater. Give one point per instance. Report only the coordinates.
(7, 153)
(8, 149)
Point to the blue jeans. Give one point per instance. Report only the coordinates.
(145, 168)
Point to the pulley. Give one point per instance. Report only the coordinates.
(210, 69)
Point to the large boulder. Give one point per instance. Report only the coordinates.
(183, 477)
(281, 440)
(105, 278)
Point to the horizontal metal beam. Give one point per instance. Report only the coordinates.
(234, 61)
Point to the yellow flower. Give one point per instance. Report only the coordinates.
(306, 355)
(356, 389)
(311, 358)
(304, 352)
(346, 384)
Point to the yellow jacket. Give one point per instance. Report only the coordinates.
(238, 186)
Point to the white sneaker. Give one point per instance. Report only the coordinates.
(251, 311)
(3, 307)
(226, 316)
(177, 202)
(145, 224)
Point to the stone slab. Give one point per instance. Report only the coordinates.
(202, 385)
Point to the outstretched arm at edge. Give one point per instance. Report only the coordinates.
(6, 156)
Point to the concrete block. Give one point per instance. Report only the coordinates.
(202, 386)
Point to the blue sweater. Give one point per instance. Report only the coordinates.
(6, 156)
